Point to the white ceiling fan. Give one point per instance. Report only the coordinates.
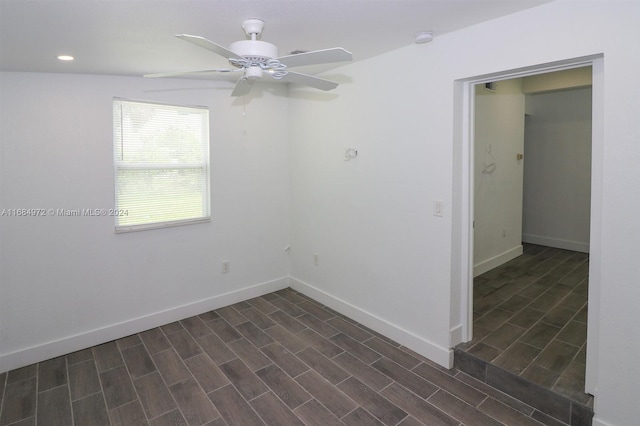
(253, 58)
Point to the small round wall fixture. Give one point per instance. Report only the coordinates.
(424, 37)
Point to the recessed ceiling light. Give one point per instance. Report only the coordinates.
(65, 58)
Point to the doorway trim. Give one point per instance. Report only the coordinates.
(463, 203)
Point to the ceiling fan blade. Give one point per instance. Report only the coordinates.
(308, 80)
(243, 87)
(180, 73)
(336, 54)
(209, 45)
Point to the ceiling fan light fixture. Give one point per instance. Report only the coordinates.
(424, 37)
(253, 73)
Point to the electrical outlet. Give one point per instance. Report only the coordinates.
(316, 259)
(226, 266)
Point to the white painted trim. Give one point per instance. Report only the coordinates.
(556, 242)
(34, 354)
(597, 422)
(455, 335)
(497, 260)
(430, 350)
(595, 233)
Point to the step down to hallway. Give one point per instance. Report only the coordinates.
(544, 400)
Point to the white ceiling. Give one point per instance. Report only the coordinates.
(134, 37)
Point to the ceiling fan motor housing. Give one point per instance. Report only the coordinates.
(254, 50)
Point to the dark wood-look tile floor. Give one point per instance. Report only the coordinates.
(530, 320)
(279, 359)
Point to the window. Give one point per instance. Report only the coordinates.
(161, 165)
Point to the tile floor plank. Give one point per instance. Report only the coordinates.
(107, 356)
(273, 411)
(83, 379)
(406, 378)
(91, 410)
(194, 404)
(216, 349)
(287, 389)
(170, 366)
(249, 354)
(360, 417)
(130, 414)
(117, 387)
(372, 401)
(154, 395)
(138, 361)
(284, 359)
(314, 414)
(336, 402)
(184, 344)
(207, 374)
(52, 373)
(245, 380)
(362, 371)
(233, 407)
(54, 407)
(323, 365)
(417, 407)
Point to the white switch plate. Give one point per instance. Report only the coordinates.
(438, 208)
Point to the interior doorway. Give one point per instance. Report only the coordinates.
(532, 143)
(463, 241)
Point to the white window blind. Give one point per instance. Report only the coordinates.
(161, 165)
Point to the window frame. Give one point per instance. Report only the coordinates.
(119, 165)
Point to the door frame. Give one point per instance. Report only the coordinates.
(463, 202)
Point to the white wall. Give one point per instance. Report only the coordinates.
(498, 174)
(71, 282)
(557, 174)
(383, 253)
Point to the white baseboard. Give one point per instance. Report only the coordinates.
(556, 242)
(48, 350)
(597, 422)
(494, 262)
(455, 335)
(437, 354)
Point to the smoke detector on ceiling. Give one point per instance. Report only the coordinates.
(424, 37)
